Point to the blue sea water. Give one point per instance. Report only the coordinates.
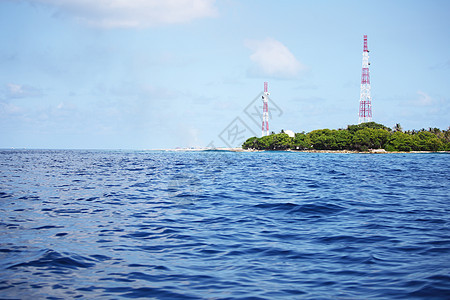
(223, 225)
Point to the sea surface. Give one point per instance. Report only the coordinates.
(223, 225)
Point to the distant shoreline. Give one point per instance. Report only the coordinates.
(225, 149)
(371, 151)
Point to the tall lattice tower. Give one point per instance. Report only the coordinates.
(265, 116)
(365, 100)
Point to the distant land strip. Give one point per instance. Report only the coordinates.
(367, 137)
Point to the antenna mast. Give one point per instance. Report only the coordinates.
(365, 100)
(265, 116)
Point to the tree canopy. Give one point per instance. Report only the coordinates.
(360, 137)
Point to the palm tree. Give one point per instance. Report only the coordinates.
(398, 128)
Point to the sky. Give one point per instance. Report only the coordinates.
(150, 74)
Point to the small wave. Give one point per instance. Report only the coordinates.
(277, 206)
(431, 291)
(439, 278)
(147, 292)
(151, 267)
(310, 209)
(5, 195)
(6, 250)
(70, 211)
(134, 169)
(54, 260)
(352, 239)
(151, 234)
(47, 227)
(215, 220)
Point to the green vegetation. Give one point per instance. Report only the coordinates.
(360, 137)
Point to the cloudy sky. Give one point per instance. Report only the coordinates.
(148, 74)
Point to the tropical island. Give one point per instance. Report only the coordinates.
(362, 138)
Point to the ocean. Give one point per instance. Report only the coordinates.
(223, 225)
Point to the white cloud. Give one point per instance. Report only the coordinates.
(424, 99)
(13, 91)
(133, 13)
(271, 58)
(9, 109)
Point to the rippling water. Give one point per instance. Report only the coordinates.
(219, 225)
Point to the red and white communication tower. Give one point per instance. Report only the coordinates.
(365, 100)
(265, 116)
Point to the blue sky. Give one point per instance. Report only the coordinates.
(136, 74)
